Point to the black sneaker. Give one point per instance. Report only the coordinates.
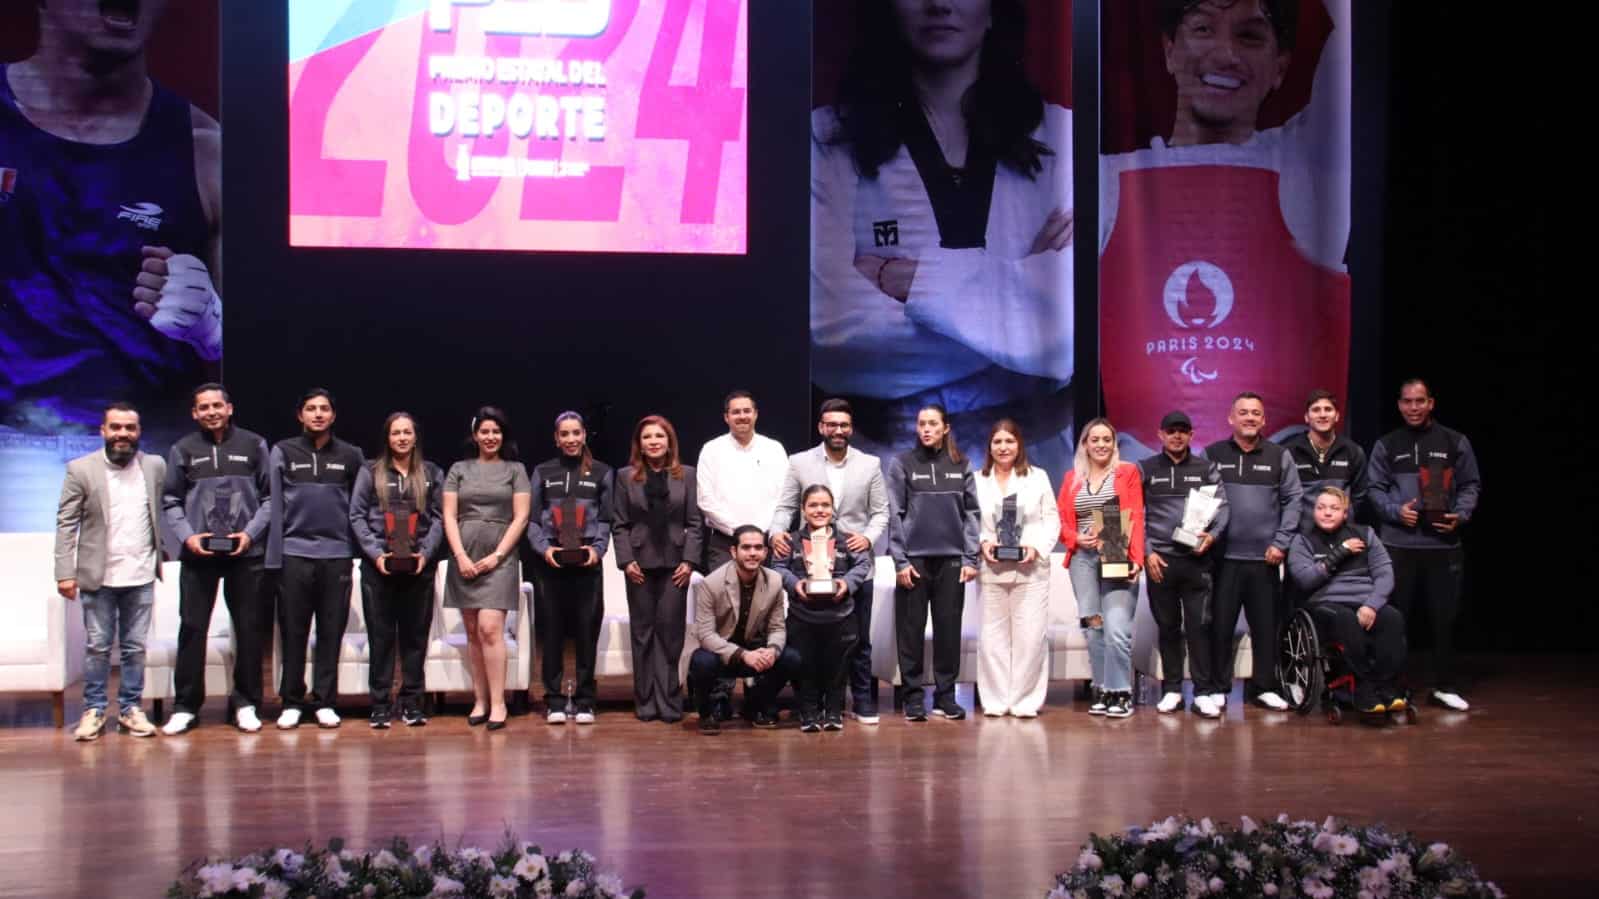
(380, 719)
(764, 720)
(1119, 705)
(413, 718)
(915, 712)
(723, 708)
(865, 711)
(1100, 702)
(810, 723)
(833, 721)
(949, 709)
(709, 726)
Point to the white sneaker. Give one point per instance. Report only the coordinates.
(864, 718)
(555, 716)
(1452, 701)
(289, 720)
(1206, 706)
(584, 716)
(246, 720)
(327, 718)
(180, 722)
(1272, 701)
(1219, 700)
(1169, 703)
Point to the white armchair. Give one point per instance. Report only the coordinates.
(448, 668)
(161, 647)
(41, 647)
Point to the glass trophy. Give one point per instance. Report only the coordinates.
(224, 516)
(569, 550)
(1198, 512)
(399, 532)
(1436, 479)
(1008, 531)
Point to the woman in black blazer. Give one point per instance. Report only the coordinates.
(656, 531)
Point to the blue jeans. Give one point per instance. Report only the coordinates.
(1110, 646)
(121, 615)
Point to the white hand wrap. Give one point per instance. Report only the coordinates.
(189, 309)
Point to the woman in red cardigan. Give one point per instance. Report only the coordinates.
(1106, 604)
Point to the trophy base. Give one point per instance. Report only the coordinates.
(1009, 553)
(401, 564)
(571, 557)
(1185, 537)
(819, 588)
(1432, 517)
(223, 545)
(1115, 570)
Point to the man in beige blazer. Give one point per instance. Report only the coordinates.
(739, 620)
(108, 555)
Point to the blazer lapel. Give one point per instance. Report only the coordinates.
(103, 479)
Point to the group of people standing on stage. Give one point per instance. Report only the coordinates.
(786, 545)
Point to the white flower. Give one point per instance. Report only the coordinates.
(502, 887)
(1323, 842)
(1315, 889)
(215, 880)
(1216, 886)
(423, 856)
(1151, 836)
(1059, 892)
(576, 888)
(1282, 817)
(385, 860)
(564, 858)
(609, 884)
(1441, 850)
(531, 868)
(1206, 826)
(1269, 889)
(1194, 886)
(275, 889)
(336, 872)
(1330, 824)
(369, 890)
(1240, 862)
(1112, 885)
(1140, 881)
(444, 886)
(1088, 861)
(287, 859)
(346, 855)
(244, 878)
(1248, 825)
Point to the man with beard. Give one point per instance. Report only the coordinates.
(860, 498)
(108, 555)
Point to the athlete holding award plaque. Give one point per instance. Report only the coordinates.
(396, 514)
(1101, 507)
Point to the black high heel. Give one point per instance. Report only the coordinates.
(475, 720)
(496, 725)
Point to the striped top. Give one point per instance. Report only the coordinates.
(1089, 501)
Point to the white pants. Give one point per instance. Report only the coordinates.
(1012, 661)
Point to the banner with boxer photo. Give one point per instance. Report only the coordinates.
(942, 218)
(110, 230)
(1224, 210)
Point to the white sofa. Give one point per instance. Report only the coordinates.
(161, 647)
(41, 647)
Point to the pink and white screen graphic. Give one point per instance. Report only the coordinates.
(559, 125)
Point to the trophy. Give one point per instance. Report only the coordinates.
(1115, 526)
(1009, 532)
(1435, 483)
(818, 565)
(224, 516)
(399, 531)
(568, 533)
(1198, 512)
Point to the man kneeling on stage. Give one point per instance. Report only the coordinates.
(739, 622)
(1347, 575)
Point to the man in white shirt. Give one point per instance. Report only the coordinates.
(740, 476)
(108, 555)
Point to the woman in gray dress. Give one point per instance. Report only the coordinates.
(655, 529)
(486, 505)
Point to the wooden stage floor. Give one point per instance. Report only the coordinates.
(982, 807)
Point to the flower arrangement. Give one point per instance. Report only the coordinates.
(518, 870)
(1186, 859)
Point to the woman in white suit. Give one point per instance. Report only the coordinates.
(1012, 661)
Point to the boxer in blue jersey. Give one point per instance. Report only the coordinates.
(110, 227)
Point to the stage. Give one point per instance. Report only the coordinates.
(982, 807)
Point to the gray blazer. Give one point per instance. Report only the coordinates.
(716, 600)
(864, 510)
(84, 513)
(630, 529)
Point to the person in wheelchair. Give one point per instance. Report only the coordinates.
(1347, 577)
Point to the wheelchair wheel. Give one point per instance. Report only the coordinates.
(1335, 715)
(1299, 664)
